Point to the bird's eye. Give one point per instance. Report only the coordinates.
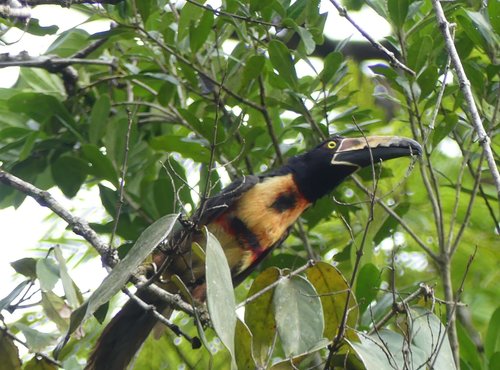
(331, 145)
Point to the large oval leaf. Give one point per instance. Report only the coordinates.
(299, 315)
(429, 335)
(387, 350)
(220, 295)
(332, 288)
(259, 315)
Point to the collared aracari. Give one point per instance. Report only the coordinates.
(250, 217)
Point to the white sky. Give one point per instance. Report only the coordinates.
(21, 229)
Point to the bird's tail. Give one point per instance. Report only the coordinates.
(124, 335)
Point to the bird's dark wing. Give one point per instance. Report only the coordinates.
(242, 275)
(220, 203)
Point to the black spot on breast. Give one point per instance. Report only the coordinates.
(284, 202)
(244, 234)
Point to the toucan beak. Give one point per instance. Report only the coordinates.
(359, 152)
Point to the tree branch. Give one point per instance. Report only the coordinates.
(68, 3)
(51, 63)
(484, 139)
(82, 228)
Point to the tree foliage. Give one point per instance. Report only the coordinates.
(178, 98)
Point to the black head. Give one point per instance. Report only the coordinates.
(321, 169)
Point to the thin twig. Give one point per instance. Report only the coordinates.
(451, 317)
(121, 189)
(458, 190)
(195, 341)
(253, 297)
(468, 212)
(235, 16)
(167, 113)
(399, 307)
(400, 221)
(305, 239)
(394, 61)
(269, 123)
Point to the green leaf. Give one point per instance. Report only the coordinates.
(118, 277)
(164, 195)
(189, 14)
(379, 7)
(427, 81)
(291, 363)
(67, 282)
(186, 147)
(468, 350)
(299, 315)
(282, 60)
(42, 108)
(53, 307)
(47, 273)
(494, 15)
(69, 174)
(25, 266)
(199, 34)
(367, 285)
(35, 29)
(332, 64)
(40, 363)
(389, 226)
(252, 69)
(296, 10)
(220, 295)
(37, 341)
(387, 350)
(332, 288)
(109, 199)
(167, 92)
(9, 354)
(478, 29)
(243, 347)
(6, 301)
(259, 315)
(145, 7)
(419, 51)
(444, 128)
(307, 39)
(492, 340)
(99, 118)
(429, 335)
(398, 10)
(37, 80)
(69, 42)
(101, 165)
(494, 361)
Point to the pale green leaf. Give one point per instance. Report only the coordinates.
(299, 315)
(220, 296)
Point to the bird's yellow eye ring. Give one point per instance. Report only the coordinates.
(331, 145)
